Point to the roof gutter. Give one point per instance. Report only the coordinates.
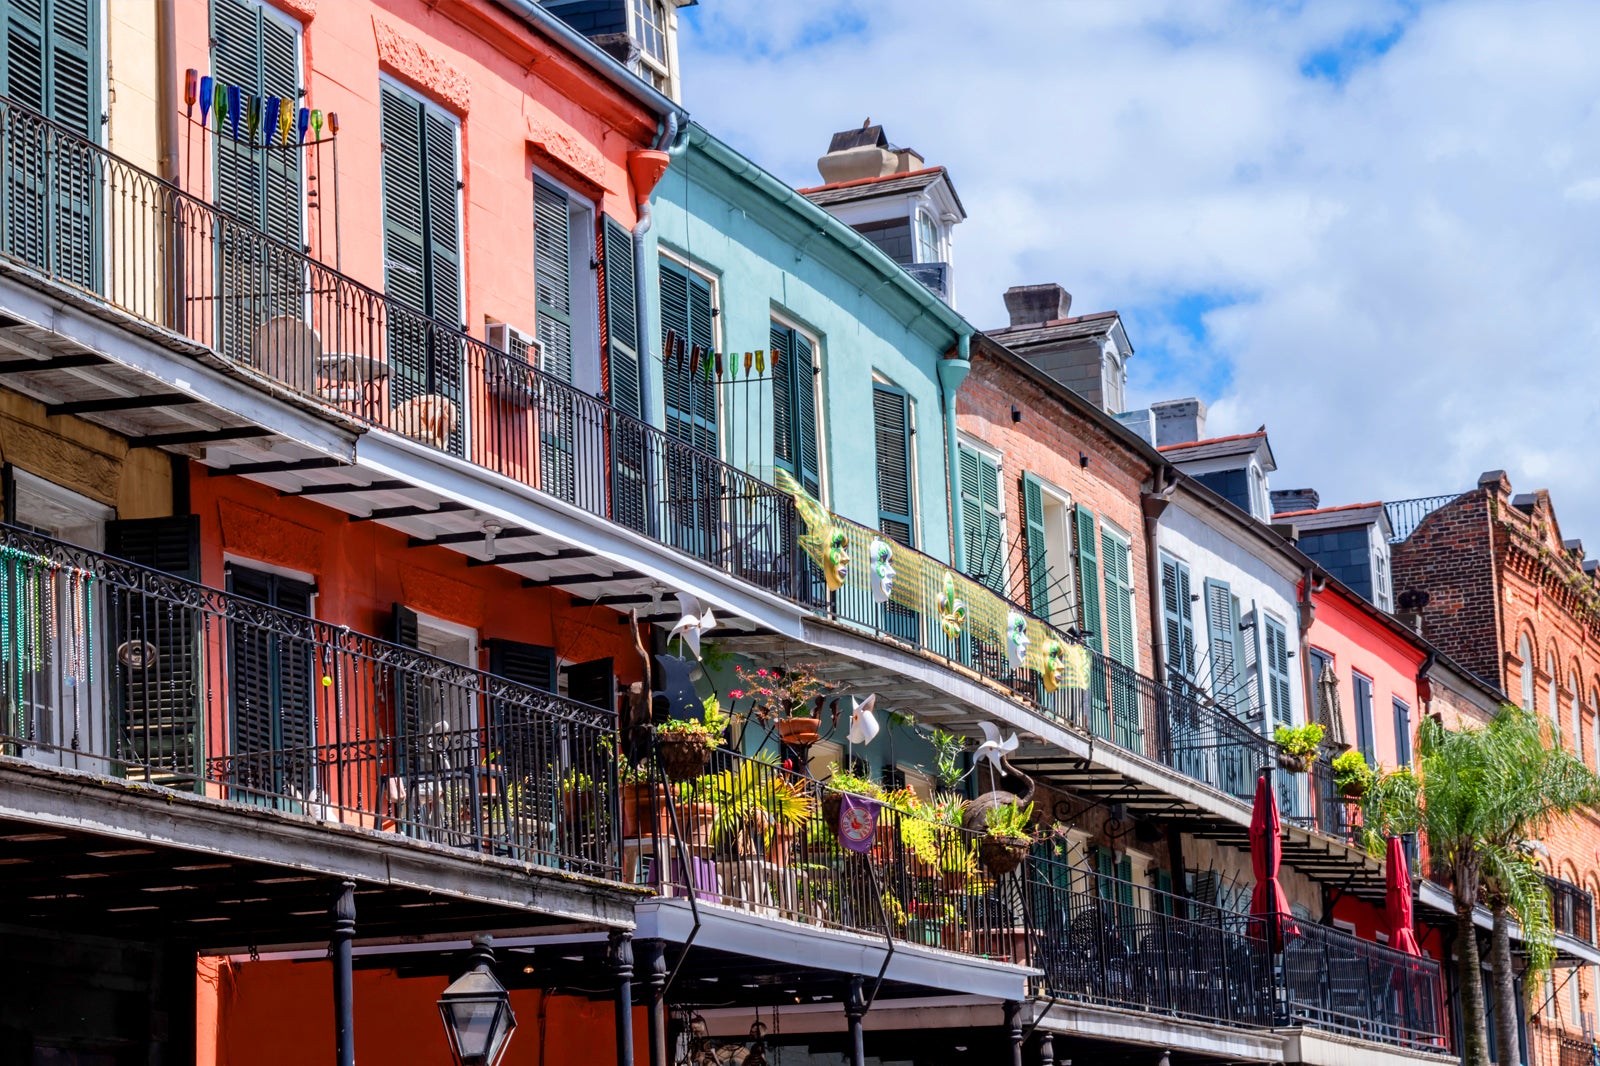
(591, 53)
(819, 220)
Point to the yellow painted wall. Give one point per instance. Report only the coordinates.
(133, 58)
(84, 458)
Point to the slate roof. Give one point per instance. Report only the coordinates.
(1055, 331)
(843, 192)
(1215, 447)
(1349, 514)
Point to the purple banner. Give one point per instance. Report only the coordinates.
(858, 823)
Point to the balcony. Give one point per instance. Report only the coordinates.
(1572, 909)
(1336, 982)
(186, 271)
(132, 674)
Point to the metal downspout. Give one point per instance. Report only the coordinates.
(952, 372)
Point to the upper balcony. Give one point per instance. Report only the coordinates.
(1572, 910)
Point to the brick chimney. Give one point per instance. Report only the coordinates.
(1287, 500)
(1033, 305)
(1179, 421)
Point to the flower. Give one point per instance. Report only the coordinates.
(736, 693)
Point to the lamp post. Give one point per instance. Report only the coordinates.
(476, 1009)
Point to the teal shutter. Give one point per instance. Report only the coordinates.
(1278, 691)
(1105, 864)
(622, 318)
(794, 407)
(1038, 559)
(979, 479)
(1221, 639)
(1114, 562)
(1088, 578)
(691, 399)
(50, 65)
(1177, 620)
(891, 431)
(552, 278)
(1163, 898)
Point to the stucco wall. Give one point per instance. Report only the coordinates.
(1360, 644)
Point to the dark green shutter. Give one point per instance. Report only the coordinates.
(405, 269)
(979, 479)
(528, 741)
(1119, 644)
(533, 665)
(51, 65)
(622, 318)
(407, 696)
(794, 406)
(1088, 578)
(1221, 639)
(271, 691)
(593, 683)
(1037, 551)
(1177, 620)
(1278, 690)
(783, 449)
(159, 722)
(552, 278)
(891, 424)
(691, 399)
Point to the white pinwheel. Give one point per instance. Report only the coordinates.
(863, 723)
(694, 622)
(993, 748)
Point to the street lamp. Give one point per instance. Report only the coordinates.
(476, 1009)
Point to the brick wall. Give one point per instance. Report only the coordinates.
(1047, 442)
(1449, 556)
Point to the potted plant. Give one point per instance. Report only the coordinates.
(578, 801)
(759, 809)
(789, 696)
(1297, 746)
(1007, 835)
(697, 810)
(686, 744)
(841, 781)
(931, 831)
(1352, 775)
(644, 801)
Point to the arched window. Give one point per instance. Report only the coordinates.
(1594, 709)
(1577, 715)
(1552, 703)
(1525, 653)
(927, 239)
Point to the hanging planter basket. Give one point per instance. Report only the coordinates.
(799, 732)
(1297, 764)
(1001, 855)
(1353, 790)
(683, 758)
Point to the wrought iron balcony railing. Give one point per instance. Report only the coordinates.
(1336, 981)
(82, 217)
(1572, 909)
(129, 672)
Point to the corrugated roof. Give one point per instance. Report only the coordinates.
(1057, 330)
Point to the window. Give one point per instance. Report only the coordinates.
(893, 236)
(891, 430)
(1594, 709)
(1553, 701)
(794, 407)
(1362, 687)
(1048, 518)
(1280, 696)
(1402, 733)
(982, 523)
(1222, 629)
(270, 688)
(927, 238)
(55, 511)
(1177, 619)
(1525, 653)
(1381, 591)
(256, 49)
(50, 64)
(1116, 562)
(691, 398)
(1322, 663)
(1577, 717)
(447, 705)
(650, 29)
(421, 246)
(566, 320)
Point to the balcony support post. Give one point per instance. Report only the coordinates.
(619, 956)
(855, 1008)
(1047, 1050)
(344, 931)
(653, 961)
(1013, 1011)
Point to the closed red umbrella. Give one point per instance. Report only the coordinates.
(1267, 901)
(1397, 877)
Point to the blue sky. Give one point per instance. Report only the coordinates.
(1369, 224)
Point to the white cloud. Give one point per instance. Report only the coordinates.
(1410, 255)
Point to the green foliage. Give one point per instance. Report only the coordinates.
(753, 802)
(708, 730)
(1298, 739)
(1010, 821)
(1351, 769)
(843, 780)
(947, 748)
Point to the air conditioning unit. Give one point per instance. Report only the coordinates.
(507, 376)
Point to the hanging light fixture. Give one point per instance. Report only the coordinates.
(476, 1009)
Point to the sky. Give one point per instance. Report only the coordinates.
(1370, 225)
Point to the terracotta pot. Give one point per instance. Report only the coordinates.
(1000, 856)
(1297, 764)
(684, 758)
(799, 731)
(695, 819)
(1353, 791)
(644, 811)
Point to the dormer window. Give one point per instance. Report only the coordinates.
(650, 22)
(927, 238)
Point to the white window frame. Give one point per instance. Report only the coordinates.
(817, 391)
(93, 514)
(1525, 654)
(427, 623)
(583, 216)
(1063, 501)
(1553, 697)
(1577, 715)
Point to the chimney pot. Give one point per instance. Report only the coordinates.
(1032, 305)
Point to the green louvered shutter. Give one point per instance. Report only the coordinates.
(1278, 691)
(1221, 639)
(1177, 621)
(270, 677)
(25, 157)
(552, 278)
(891, 424)
(1088, 578)
(691, 398)
(1115, 563)
(442, 229)
(405, 257)
(622, 318)
(803, 364)
(1038, 560)
(674, 283)
(703, 386)
(781, 356)
(979, 480)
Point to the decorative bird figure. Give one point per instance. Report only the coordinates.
(863, 723)
(693, 623)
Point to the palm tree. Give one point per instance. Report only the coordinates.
(1481, 795)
